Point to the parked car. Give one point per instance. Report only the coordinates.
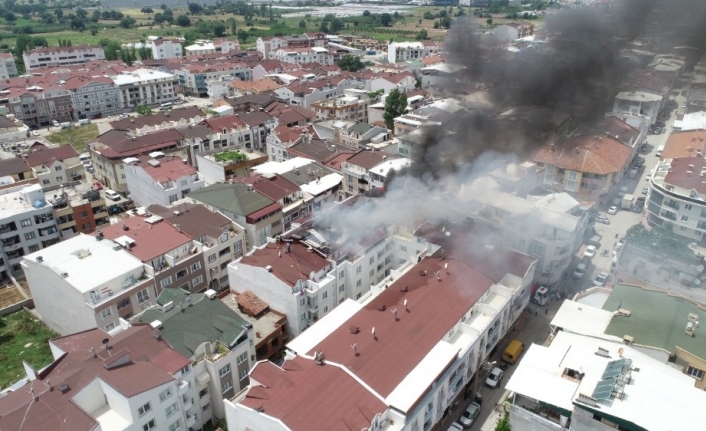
(494, 378)
(35, 133)
(602, 219)
(455, 427)
(645, 190)
(613, 210)
(601, 279)
(469, 415)
(590, 252)
(112, 194)
(580, 270)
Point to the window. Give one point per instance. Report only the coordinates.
(684, 218)
(86, 226)
(184, 371)
(695, 372)
(325, 309)
(46, 182)
(212, 258)
(228, 385)
(173, 198)
(303, 316)
(195, 266)
(325, 295)
(30, 235)
(341, 288)
(109, 327)
(225, 370)
(143, 296)
(170, 410)
(181, 274)
(207, 407)
(358, 269)
(57, 168)
(176, 426)
(33, 248)
(144, 409)
(372, 272)
(357, 296)
(242, 358)
(242, 374)
(403, 248)
(358, 283)
(372, 259)
(196, 281)
(687, 207)
(165, 394)
(340, 274)
(186, 287)
(26, 222)
(59, 178)
(165, 282)
(106, 313)
(149, 425)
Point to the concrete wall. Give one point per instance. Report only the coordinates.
(525, 420)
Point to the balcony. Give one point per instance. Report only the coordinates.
(190, 419)
(10, 227)
(9, 242)
(183, 387)
(312, 307)
(188, 402)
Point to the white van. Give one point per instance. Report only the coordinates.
(659, 151)
(84, 121)
(84, 158)
(55, 123)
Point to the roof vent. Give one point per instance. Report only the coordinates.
(354, 329)
(382, 307)
(40, 259)
(603, 352)
(64, 388)
(269, 268)
(64, 274)
(627, 339)
(690, 326)
(404, 289)
(156, 324)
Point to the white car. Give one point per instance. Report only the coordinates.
(469, 415)
(613, 210)
(494, 378)
(580, 270)
(112, 194)
(35, 132)
(590, 252)
(455, 427)
(601, 279)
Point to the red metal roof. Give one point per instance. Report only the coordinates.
(251, 218)
(290, 267)
(151, 240)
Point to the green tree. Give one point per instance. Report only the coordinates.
(219, 30)
(302, 24)
(158, 18)
(195, 8)
(94, 30)
(395, 105)
(422, 35)
(336, 25)
(144, 53)
(489, 21)
(243, 35)
(183, 21)
(351, 63)
(428, 15)
(504, 423)
(147, 10)
(10, 17)
(47, 18)
(366, 13)
(81, 13)
(445, 22)
(386, 20)
(233, 26)
(144, 110)
(127, 22)
(59, 13)
(323, 27)
(163, 6)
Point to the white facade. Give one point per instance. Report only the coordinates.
(96, 99)
(166, 48)
(17, 131)
(61, 56)
(303, 55)
(27, 224)
(353, 106)
(638, 103)
(153, 181)
(8, 68)
(145, 87)
(316, 92)
(267, 45)
(59, 172)
(194, 81)
(200, 47)
(404, 51)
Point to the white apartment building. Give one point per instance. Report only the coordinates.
(130, 380)
(94, 96)
(194, 78)
(638, 103)
(159, 179)
(266, 45)
(145, 87)
(54, 56)
(167, 48)
(8, 68)
(398, 52)
(405, 374)
(86, 282)
(27, 225)
(313, 54)
(352, 106)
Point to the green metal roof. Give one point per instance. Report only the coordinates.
(234, 198)
(203, 320)
(360, 128)
(657, 319)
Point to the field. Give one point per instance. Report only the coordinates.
(22, 337)
(75, 136)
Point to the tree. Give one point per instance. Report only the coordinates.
(428, 15)
(81, 13)
(386, 20)
(219, 30)
(47, 18)
(144, 52)
(233, 26)
(336, 25)
(163, 6)
(195, 8)
(395, 105)
(144, 110)
(158, 18)
(445, 22)
(504, 422)
(351, 63)
(59, 13)
(366, 13)
(147, 10)
(243, 35)
(94, 30)
(183, 21)
(302, 24)
(422, 35)
(323, 27)
(489, 21)
(10, 17)
(127, 22)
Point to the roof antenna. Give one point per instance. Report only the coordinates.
(405, 305)
(394, 311)
(354, 346)
(446, 268)
(373, 332)
(438, 278)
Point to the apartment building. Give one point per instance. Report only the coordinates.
(159, 179)
(87, 282)
(398, 52)
(79, 208)
(638, 103)
(180, 118)
(305, 93)
(352, 106)
(167, 48)
(356, 171)
(280, 190)
(54, 56)
(221, 165)
(145, 87)
(54, 166)
(14, 170)
(221, 358)
(93, 96)
(408, 379)
(8, 68)
(27, 225)
(218, 46)
(260, 216)
(266, 45)
(175, 259)
(222, 239)
(194, 78)
(39, 104)
(131, 381)
(12, 130)
(110, 149)
(314, 54)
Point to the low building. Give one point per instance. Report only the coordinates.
(174, 119)
(194, 78)
(314, 54)
(55, 56)
(8, 68)
(218, 342)
(159, 179)
(86, 282)
(129, 381)
(55, 166)
(12, 130)
(356, 171)
(167, 48)
(280, 190)
(146, 87)
(239, 87)
(27, 225)
(14, 170)
(219, 166)
(398, 52)
(638, 103)
(352, 106)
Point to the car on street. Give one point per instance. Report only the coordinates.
(35, 132)
(590, 252)
(580, 270)
(469, 415)
(455, 427)
(613, 210)
(645, 190)
(112, 194)
(657, 130)
(494, 378)
(601, 279)
(602, 219)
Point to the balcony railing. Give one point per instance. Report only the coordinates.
(183, 387)
(188, 402)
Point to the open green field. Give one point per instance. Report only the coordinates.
(22, 337)
(77, 136)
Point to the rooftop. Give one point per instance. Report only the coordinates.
(251, 308)
(141, 75)
(368, 159)
(582, 319)
(13, 166)
(158, 118)
(274, 186)
(684, 144)
(167, 168)
(119, 143)
(195, 220)
(638, 96)
(587, 154)
(391, 165)
(290, 267)
(686, 173)
(42, 155)
(149, 240)
(194, 320)
(19, 201)
(234, 198)
(657, 319)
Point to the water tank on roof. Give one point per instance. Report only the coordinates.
(39, 204)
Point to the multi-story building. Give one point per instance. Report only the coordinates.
(398, 52)
(93, 96)
(638, 103)
(305, 93)
(86, 282)
(193, 78)
(80, 208)
(11, 129)
(266, 45)
(260, 216)
(39, 105)
(356, 171)
(280, 190)
(54, 56)
(159, 179)
(111, 148)
(8, 68)
(55, 166)
(130, 381)
(145, 87)
(221, 165)
(175, 259)
(222, 239)
(167, 48)
(405, 369)
(352, 106)
(314, 54)
(27, 224)
(221, 358)
(180, 118)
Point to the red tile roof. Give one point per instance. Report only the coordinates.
(228, 122)
(276, 187)
(151, 240)
(684, 144)
(41, 155)
(251, 303)
(587, 154)
(290, 267)
(368, 159)
(118, 143)
(684, 172)
(301, 395)
(170, 168)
